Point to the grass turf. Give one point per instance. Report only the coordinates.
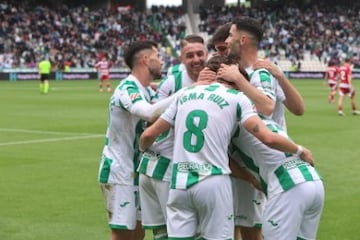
(50, 148)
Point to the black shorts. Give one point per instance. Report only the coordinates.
(44, 76)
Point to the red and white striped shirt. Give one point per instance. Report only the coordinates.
(345, 75)
(103, 67)
(332, 74)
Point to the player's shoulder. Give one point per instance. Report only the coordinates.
(262, 72)
(262, 75)
(128, 82)
(128, 90)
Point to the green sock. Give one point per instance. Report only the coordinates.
(46, 88)
(41, 88)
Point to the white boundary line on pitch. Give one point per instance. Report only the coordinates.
(41, 132)
(51, 140)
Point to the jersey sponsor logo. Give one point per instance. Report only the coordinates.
(135, 96)
(194, 167)
(293, 163)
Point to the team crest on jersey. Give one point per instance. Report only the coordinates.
(266, 84)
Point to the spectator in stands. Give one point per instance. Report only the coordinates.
(28, 32)
(289, 33)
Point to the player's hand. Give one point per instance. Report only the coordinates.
(230, 73)
(206, 76)
(306, 156)
(268, 65)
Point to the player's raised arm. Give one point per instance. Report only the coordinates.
(149, 135)
(294, 101)
(263, 103)
(143, 109)
(256, 127)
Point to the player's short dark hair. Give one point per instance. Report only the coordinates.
(331, 63)
(191, 38)
(250, 25)
(215, 62)
(135, 47)
(221, 33)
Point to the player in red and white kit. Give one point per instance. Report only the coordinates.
(103, 69)
(331, 77)
(346, 87)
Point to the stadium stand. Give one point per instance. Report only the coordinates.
(76, 36)
(296, 38)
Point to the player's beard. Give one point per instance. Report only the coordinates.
(234, 51)
(155, 73)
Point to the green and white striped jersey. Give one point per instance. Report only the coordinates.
(263, 80)
(175, 69)
(279, 171)
(204, 119)
(120, 156)
(157, 162)
(155, 166)
(173, 83)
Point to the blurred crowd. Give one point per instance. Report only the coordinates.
(325, 32)
(76, 37)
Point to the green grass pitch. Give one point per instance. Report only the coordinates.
(50, 148)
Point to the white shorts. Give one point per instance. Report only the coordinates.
(248, 203)
(294, 214)
(205, 208)
(122, 205)
(153, 197)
